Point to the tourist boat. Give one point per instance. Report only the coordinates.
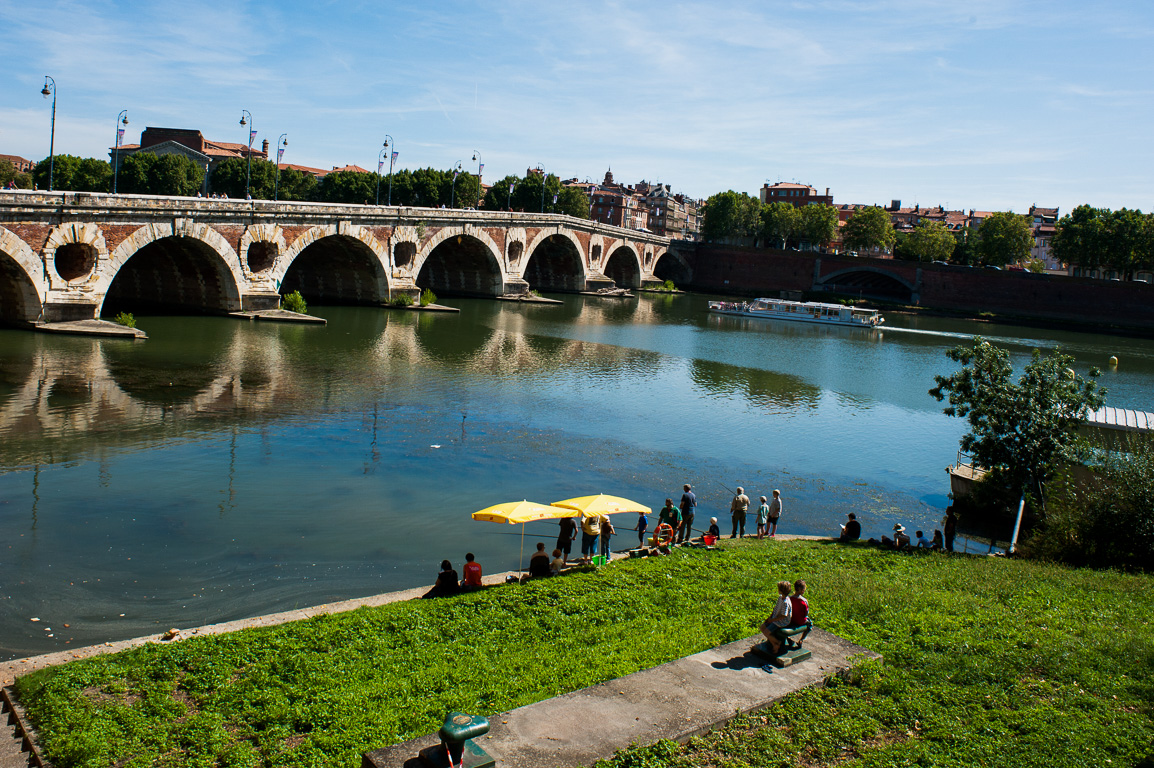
(804, 311)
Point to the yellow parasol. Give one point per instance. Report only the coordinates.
(601, 504)
(514, 512)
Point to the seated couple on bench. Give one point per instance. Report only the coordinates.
(790, 618)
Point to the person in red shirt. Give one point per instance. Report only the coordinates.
(800, 614)
(472, 570)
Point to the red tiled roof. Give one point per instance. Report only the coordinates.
(350, 168)
(318, 172)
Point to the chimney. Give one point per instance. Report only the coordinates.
(264, 147)
(827, 191)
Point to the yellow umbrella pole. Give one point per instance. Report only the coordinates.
(521, 559)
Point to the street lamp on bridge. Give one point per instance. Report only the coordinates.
(281, 143)
(453, 186)
(121, 120)
(480, 167)
(381, 156)
(251, 136)
(50, 90)
(392, 157)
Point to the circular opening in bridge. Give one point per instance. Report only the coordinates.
(515, 250)
(74, 260)
(404, 253)
(261, 255)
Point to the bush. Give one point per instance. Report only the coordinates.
(401, 300)
(294, 302)
(428, 297)
(1101, 518)
(126, 319)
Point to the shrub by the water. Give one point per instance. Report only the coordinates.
(401, 300)
(428, 297)
(294, 302)
(126, 319)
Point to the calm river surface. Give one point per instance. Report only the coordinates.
(225, 469)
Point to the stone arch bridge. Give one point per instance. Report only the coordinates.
(72, 256)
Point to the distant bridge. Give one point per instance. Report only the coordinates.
(77, 255)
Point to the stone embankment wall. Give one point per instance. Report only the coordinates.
(744, 271)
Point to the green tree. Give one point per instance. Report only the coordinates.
(229, 177)
(930, 241)
(74, 174)
(1080, 238)
(1020, 431)
(1004, 238)
(144, 173)
(571, 201)
(497, 196)
(869, 228)
(731, 215)
(778, 223)
(350, 187)
(9, 174)
(817, 224)
(966, 250)
(1127, 236)
(295, 185)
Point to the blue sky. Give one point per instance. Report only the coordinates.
(975, 104)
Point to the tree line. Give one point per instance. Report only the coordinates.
(1003, 238)
(148, 174)
(736, 215)
(1121, 241)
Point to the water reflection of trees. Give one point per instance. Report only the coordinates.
(777, 392)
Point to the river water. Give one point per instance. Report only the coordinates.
(224, 469)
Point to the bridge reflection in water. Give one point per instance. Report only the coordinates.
(225, 468)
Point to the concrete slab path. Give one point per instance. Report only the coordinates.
(678, 700)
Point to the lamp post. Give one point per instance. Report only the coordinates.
(121, 120)
(541, 168)
(480, 167)
(50, 90)
(392, 156)
(281, 143)
(453, 186)
(248, 167)
(380, 163)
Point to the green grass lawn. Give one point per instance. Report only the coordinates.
(987, 662)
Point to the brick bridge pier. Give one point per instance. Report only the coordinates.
(71, 256)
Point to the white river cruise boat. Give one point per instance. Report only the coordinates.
(803, 311)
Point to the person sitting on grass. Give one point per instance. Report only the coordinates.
(472, 573)
(923, 542)
(539, 562)
(937, 543)
(558, 563)
(446, 584)
(714, 529)
(779, 619)
(851, 531)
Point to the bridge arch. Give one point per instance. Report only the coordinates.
(671, 265)
(335, 264)
(869, 281)
(623, 265)
(22, 280)
(183, 267)
(555, 261)
(462, 260)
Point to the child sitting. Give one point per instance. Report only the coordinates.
(713, 529)
(779, 619)
(923, 542)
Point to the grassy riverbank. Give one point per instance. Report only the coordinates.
(988, 662)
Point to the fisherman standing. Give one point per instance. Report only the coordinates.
(737, 508)
(688, 508)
